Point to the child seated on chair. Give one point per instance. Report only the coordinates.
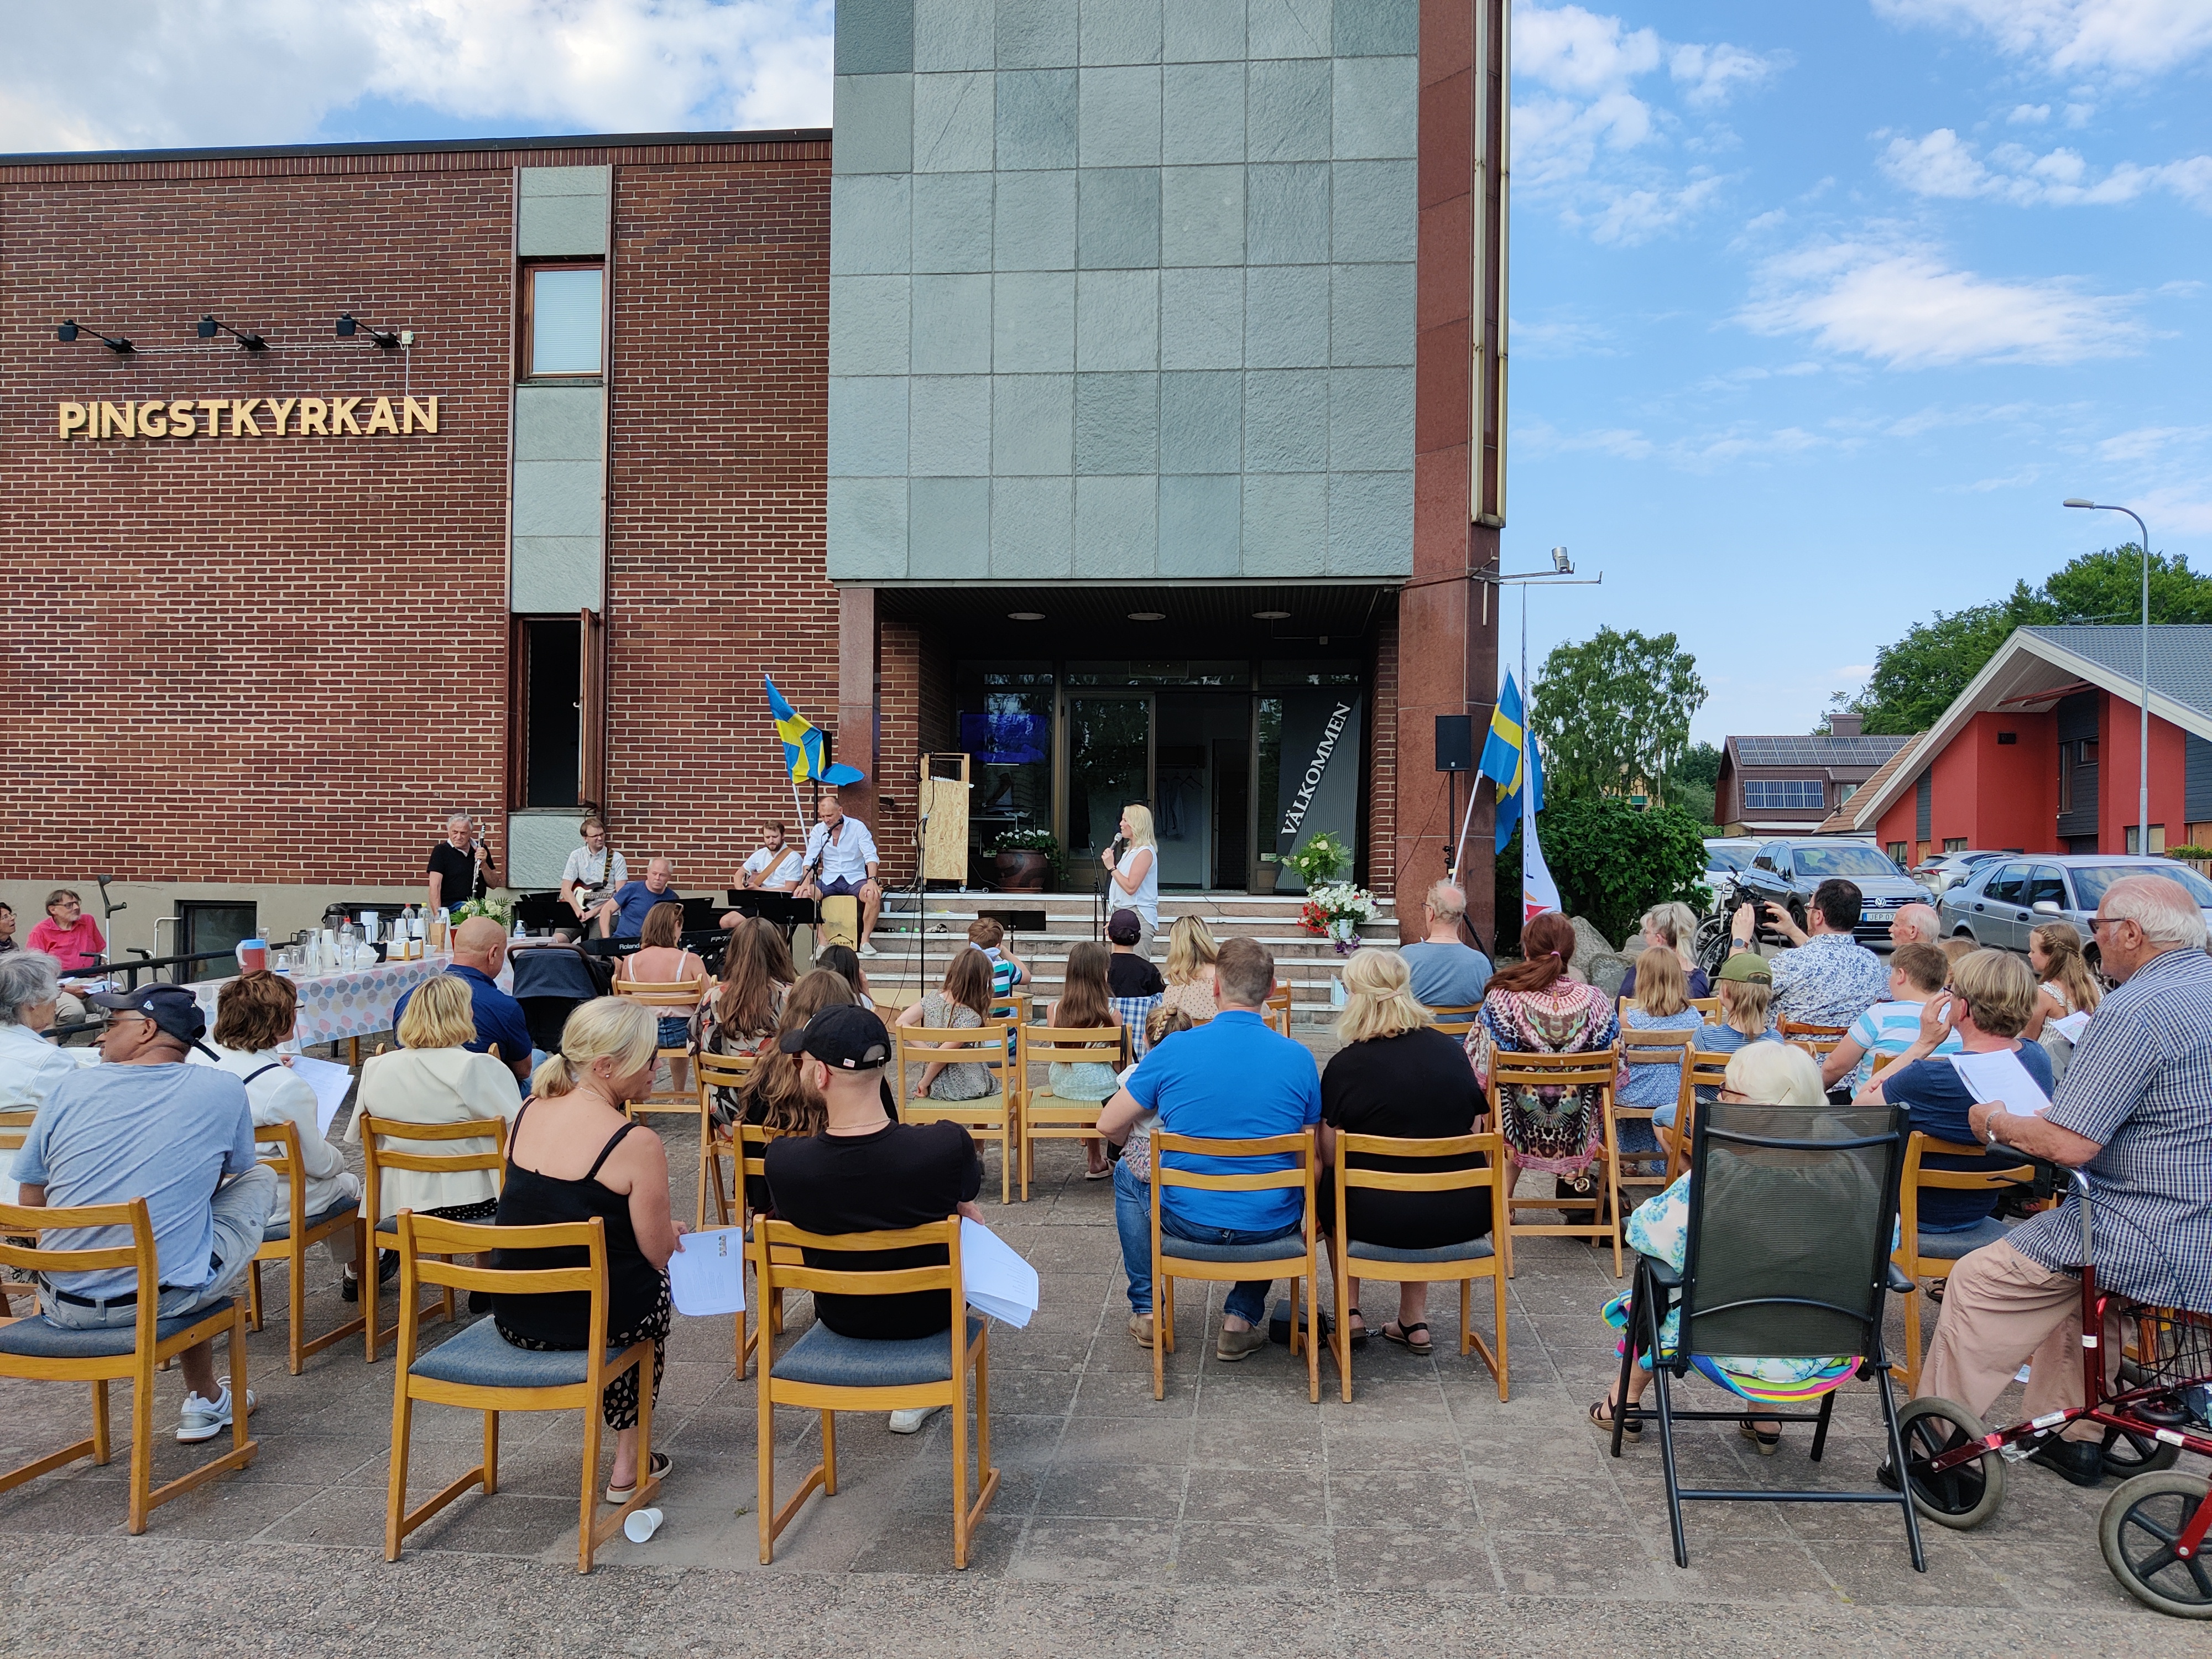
(1084, 1004)
(962, 1003)
(1661, 1003)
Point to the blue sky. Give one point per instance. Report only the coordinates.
(1819, 310)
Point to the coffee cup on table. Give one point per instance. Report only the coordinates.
(252, 955)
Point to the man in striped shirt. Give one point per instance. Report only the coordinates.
(2134, 1113)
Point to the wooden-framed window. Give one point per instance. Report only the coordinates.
(563, 321)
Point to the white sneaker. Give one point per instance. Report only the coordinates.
(204, 1419)
(910, 1420)
(868, 949)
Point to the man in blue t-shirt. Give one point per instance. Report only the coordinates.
(479, 949)
(146, 1124)
(1231, 1078)
(1447, 972)
(633, 899)
(1993, 995)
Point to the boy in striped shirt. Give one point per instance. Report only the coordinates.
(1006, 969)
(1916, 972)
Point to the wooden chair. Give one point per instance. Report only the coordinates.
(481, 1371)
(1045, 1115)
(1475, 1259)
(730, 1073)
(752, 1163)
(1704, 1071)
(37, 1349)
(1183, 1258)
(666, 997)
(384, 1235)
(1013, 1007)
(825, 1372)
(1922, 1256)
(1816, 1040)
(1656, 1048)
(1880, 1063)
(15, 1126)
(1535, 1070)
(1708, 1006)
(991, 1117)
(288, 1241)
(1278, 1009)
(1457, 1021)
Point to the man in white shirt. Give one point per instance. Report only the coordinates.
(841, 859)
(774, 867)
(591, 877)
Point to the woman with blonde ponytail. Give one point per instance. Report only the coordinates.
(576, 1155)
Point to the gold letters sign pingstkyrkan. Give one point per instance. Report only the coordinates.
(247, 417)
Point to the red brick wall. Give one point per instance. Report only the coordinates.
(899, 722)
(266, 659)
(718, 414)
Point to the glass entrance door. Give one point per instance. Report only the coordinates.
(1108, 746)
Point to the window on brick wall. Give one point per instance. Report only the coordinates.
(549, 688)
(560, 321)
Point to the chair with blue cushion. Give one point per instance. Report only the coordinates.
(1296, 1256)
(14, 1129)
(825, 1372)
(376, 1157)
(1930, 1256)
(481, 1371)
(38, 1349)
(287, 1240)
(1465, 1262)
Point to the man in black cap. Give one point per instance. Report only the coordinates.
(147, 1125)
(865, 1173)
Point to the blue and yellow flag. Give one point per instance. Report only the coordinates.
(1502, 761)
(802, 744)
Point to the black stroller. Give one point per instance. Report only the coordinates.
(551, 981)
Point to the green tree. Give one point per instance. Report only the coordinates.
(1613, 712)
(1694, 781)
(1613, 862)
(1917, 678)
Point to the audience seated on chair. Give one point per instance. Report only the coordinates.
(254, 1015)
(1191, 975)
(988, 935)
(1916, 972)
(777, 1096)
(1447, 972)
(964, 1002)
(573, 1155)
(1395, 1076)
(30, 1066)
(1746, 987)
(144, 1124)
(866, 1173)
(1230, 1079)
(1672, 927)
(663, 959)
(1087, 1003)
(1766, 1073)
(1661, 1003)
(479, 949)
(1133, 985)
(741, 1015)
(845, 961)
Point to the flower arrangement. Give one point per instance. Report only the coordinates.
(1335, 912)
(1322, 860)
(501, 910)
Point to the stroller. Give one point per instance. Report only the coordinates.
(551, 981)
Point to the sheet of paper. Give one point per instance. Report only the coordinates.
(331, 1083)
(2071, 1026)
(706, 1275)
(994, 1279)
(2000, 1077)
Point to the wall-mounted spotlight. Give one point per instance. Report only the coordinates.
(69, 331)
(348, 329)
(251, 342)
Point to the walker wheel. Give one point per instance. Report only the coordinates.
(2130, 1452)
(2142, 1522)
(1961, 1496)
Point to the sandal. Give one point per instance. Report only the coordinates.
(1601, 1413)
(1106, 1174)
(659, 1468)
(1767, 1440)
(1356, 1334)
(1403, 1336)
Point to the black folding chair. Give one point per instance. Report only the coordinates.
(1791, 1212)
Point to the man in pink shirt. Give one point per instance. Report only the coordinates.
(72, 938)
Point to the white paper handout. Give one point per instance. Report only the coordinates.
(706, 1275)
(331, 1082)
(2071, 1026)
(1999, 1076)
(994, 1277)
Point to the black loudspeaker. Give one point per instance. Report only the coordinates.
(1455, 743)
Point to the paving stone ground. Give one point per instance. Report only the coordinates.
(1231, 1518)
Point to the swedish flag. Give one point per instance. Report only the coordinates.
(1503, 760)
(802, 744)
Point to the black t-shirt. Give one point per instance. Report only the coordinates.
(458, 865)
(1128, 975)
(1415, 1086)
(905, 1175)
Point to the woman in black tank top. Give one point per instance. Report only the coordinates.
(606, 1058)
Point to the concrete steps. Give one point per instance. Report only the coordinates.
(1306, 964)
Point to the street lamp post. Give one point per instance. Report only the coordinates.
(2142, 743)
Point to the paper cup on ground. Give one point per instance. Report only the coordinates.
(641, 1525)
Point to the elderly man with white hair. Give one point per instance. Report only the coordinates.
(1915, 923)
(30, 986)
(460, 866)
(2134, 1113)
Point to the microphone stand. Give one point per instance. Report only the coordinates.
(921, 897)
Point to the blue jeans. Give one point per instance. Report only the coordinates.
(1133, 1220)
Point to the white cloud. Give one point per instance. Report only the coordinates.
(2147, 442)
(1902, 306)
(1561, 336)
(267, 71)
(2070, 37)
(1942, 164)
(1711, 73)
(2029, 115)
(2018, 480)
(2184, 509)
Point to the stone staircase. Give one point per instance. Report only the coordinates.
(1308, 965)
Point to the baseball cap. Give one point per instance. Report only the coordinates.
(1125, 927)
(172, 1007)
(1748, 967)
(847, 1036)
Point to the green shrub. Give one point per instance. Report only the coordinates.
(1611, 862)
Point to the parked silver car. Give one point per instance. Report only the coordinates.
(2006, 899)
(1945, 871)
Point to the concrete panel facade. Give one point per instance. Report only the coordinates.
(1121, 289)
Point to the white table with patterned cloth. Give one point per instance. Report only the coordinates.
(356, 1003)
